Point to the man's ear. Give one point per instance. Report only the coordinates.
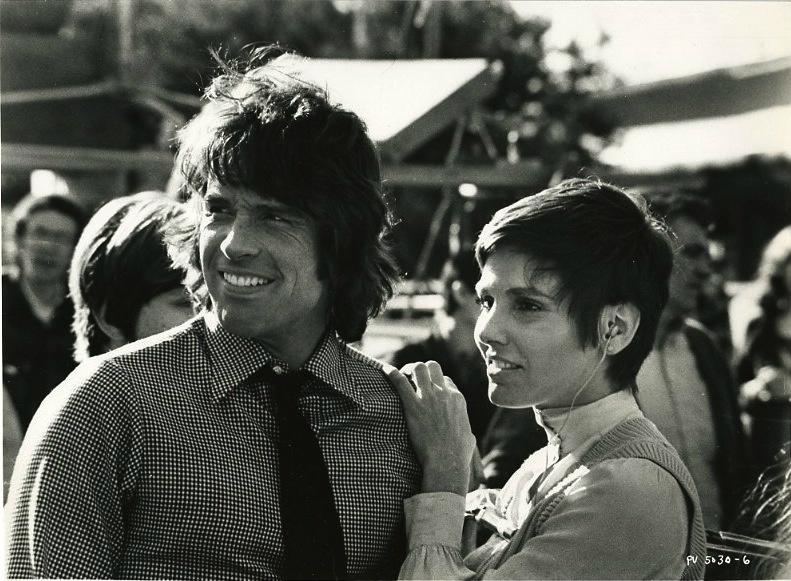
(115, 336)
(617, 326)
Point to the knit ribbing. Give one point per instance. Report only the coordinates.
(634, 438)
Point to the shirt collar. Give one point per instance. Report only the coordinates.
(235, 358)
(588, 420)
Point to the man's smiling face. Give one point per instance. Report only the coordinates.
(260, 262)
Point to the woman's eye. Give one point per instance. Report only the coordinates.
(484, 302)
(527, 305)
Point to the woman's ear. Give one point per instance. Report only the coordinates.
(115, 338)
(617, 326)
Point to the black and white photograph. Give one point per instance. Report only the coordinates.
(396, 289)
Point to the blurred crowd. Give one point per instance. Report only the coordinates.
(717, 383)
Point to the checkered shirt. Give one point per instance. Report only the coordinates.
(159, 460)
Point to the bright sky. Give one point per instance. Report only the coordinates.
(658, 40)
(650, 41)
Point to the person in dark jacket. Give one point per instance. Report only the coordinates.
(37, 312)
(451, 344)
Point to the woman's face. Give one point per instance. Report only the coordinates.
(531, 346)
(164, 311)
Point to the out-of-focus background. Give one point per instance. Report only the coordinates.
(473, 104)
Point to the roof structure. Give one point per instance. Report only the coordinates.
(403, 102)
(712, 118)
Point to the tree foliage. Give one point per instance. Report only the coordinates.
(540, 107)
(539, 110)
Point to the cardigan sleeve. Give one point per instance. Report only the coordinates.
(625, 519)
(434, 523)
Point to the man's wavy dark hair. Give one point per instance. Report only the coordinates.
(265, 129)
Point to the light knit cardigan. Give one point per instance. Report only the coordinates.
(634, 438)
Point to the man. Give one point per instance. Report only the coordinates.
(452, 344)
(685, 385)
(250, 442)
(122, 281)
(37, 312)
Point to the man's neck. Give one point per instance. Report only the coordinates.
(457, 336)
(43, 297)
(45, 293)
(297, 353)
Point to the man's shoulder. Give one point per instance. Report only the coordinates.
(177, 345)
(143, 364)
(362, 363)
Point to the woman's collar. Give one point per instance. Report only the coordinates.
(580, 423)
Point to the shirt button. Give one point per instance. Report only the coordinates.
(277, 369)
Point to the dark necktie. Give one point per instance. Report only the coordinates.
(312, 534)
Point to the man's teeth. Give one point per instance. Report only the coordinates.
(244, 280)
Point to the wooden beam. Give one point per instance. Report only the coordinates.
(717, 93)
(28, 157)
(24, 156)
(528, 174)
(98, 89)
(522, 174)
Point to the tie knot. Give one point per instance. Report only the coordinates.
(286, 385)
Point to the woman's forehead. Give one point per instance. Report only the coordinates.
(508, 268)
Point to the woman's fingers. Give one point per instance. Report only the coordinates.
(435, 374)
(404, 387)
(421, 377)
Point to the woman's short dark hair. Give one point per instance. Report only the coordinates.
(605, 248)
(120, 263)
(266, 130)
(60, 203)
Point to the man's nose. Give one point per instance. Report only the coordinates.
(240, 241)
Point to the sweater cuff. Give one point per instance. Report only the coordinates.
(434, 518)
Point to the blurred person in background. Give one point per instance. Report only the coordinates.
(451, 343)
(686, 383)
(251, 442)
(122, 281)
(37, 312)
(764, 360)
(572, 285)
(12, 439)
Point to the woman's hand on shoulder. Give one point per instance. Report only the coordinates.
(439, 428)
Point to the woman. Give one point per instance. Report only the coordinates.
(573, 281)
(122, 281)
(764, 363)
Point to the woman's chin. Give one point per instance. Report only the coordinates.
(505, 398)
